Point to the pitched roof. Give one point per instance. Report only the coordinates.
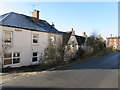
(26, 22)
(80, 40)
(66, 37)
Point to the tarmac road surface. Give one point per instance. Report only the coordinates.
(99, 72)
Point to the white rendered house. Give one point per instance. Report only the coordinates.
(24, 38)
(71, 44)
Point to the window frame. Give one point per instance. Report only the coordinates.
(34, 57)
(12, 58)
(11, 37)
(53, 40)
(37, 38)
(7, 59)
(16, 57)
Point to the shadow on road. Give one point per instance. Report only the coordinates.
(53, 88)
(109, 61)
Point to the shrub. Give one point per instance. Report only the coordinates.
(51, 57)
(80, 53)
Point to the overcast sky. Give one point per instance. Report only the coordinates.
(100, 17)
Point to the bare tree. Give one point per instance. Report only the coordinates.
(94, 43)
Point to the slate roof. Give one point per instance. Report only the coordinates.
(66, 37)
(80, 40)
(26, 22)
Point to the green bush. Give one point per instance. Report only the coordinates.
(51, 57)
(80, 53)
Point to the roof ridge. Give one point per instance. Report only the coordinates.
(14, 19)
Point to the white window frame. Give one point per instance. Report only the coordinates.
(12, 59)
(72, 39)
(34, 57)
(52, 40)
(16, 57)
(11, 37)
(35, 38)
(8, 58)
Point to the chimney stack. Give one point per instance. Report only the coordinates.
(35, 14)
(73, 31)
(53, 25)
(84, 34)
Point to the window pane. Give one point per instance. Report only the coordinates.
(52, 40)
(34, 59)
(35, 54)
(16, 60)
(16, 55)
(35, 36)
(7, 40)
(7, 61)
(7, 55)
(7, 34)
(35, 41)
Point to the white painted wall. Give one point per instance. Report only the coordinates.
(22, 42)
(0, 47)
(72, 38)
(69, 54)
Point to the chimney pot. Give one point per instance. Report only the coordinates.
(53, 24)
(72, 29)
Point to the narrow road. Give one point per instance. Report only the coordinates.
(100, 72)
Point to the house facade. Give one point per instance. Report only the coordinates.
(71, 44)
(113, 42)
(24, 38)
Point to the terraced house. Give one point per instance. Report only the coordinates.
(24, 38)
